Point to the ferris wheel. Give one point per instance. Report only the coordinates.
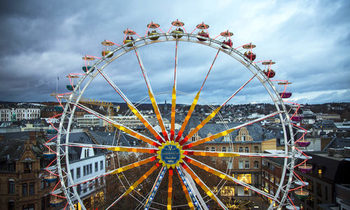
(169, 159)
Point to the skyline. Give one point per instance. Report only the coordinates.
(307, 39)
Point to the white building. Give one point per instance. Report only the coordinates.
(20, 113)
(89, 120)
(88, 167)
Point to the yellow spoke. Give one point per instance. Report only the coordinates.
(134, 165)
(119, 126)
(144, 121)
(157, 112)
(225, 176)
(187, 194)
(213, 114)
(188, 116)
(205, 121)
(136, 135)
(211, 154)
(170, 188)
(209, 138)
(195, 100)
(133, 149)
(203, 185)
(226, 132)
(142, 178)
(173, 107)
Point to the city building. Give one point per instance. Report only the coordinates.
(20, 112)
(21, 175)
(249, 139)
(85, 164)
(327, 182)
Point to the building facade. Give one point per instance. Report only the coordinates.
(21, 175)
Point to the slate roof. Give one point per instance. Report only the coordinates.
(12, 145)
(325, 124)
(255, 130)
(338, 143)
(334, 169)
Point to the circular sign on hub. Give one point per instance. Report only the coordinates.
(170, 154)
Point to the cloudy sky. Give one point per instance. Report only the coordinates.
(43, 40)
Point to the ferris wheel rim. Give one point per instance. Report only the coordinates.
(209, 42)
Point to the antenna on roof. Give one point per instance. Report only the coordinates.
(58, 78)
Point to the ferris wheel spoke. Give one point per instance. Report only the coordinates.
(151, 96)
(119, 126)
(132, 107)
(203, 185)
(133, 186)
(187, 194)
(155, 187)
(118, 170)
(173, 98)
(226, 132)
(114, 148)
(134, 165)
(213, 114)
(195, 100)
(170, 188)
(225, 176)
(210, 153)
(233, 154)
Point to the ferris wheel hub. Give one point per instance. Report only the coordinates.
(170, 154)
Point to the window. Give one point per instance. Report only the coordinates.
(319, 189)
(228, 191)
(224, 149)
(72, 173)
(27, 167)
(31, 188)
(79, 189)
(246, 191)
(84, 170)
(246, 165)
(11, 205)
(246, 149)
(101, 165)
(246, 178)
(226, 138)
(256, 164)
(90, 168)
(11, 187)
(213, 149)
(91, 184)
(193, 138)
(11, 167)
(256, 149)
(240, 164)
(29, 207)
(84, 187)
(242, 138)
(24, 189)
(240, 149)
(96, 166)
(78, 173)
